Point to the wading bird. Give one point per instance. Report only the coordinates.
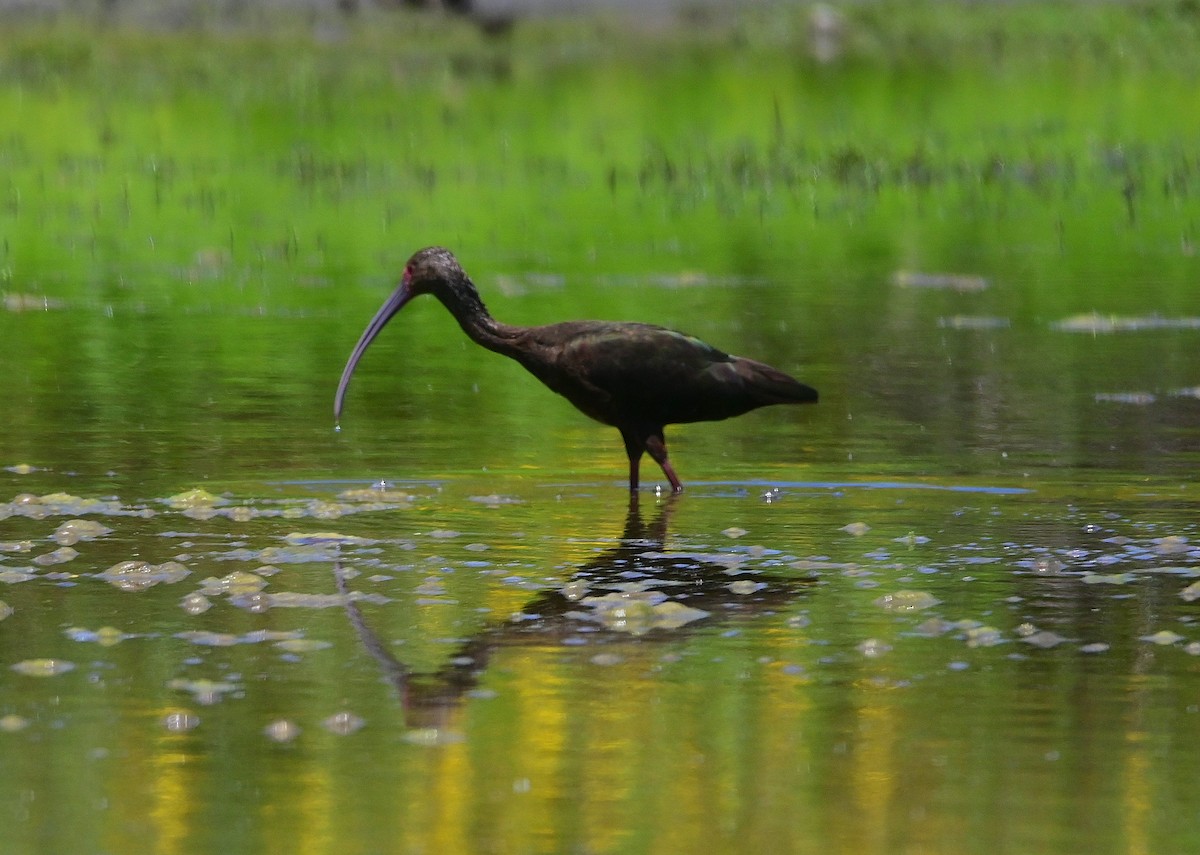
(636, 377)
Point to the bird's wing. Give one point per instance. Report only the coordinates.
(621, 357)
(659, 376)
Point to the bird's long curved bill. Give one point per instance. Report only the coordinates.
(391, 306)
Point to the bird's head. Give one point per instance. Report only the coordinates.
(433, 270)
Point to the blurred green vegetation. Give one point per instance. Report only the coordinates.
(941, 133)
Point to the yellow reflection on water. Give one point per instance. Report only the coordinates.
(171, 788)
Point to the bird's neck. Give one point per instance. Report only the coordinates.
(477, 322)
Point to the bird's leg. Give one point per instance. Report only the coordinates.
(634, 448)
(657, 447)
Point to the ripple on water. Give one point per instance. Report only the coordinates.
(282, 731)
(344, 723)
(1094, 323)
(205, 691)
(180, 721)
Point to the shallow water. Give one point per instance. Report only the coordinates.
(948, 609)
(548, 668)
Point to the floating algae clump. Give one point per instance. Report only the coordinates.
(140, 575)
(906, 601)
(237, 583)
(638, 613)
(73, 531)
(105, 636)
(194, 498)
(59, 556)
(43, 667)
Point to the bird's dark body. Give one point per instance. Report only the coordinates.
(635, 377)
(624, 373)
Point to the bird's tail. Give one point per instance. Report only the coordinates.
(772, 386)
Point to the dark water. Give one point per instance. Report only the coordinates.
(948, 609)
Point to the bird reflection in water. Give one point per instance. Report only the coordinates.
(637, 589)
